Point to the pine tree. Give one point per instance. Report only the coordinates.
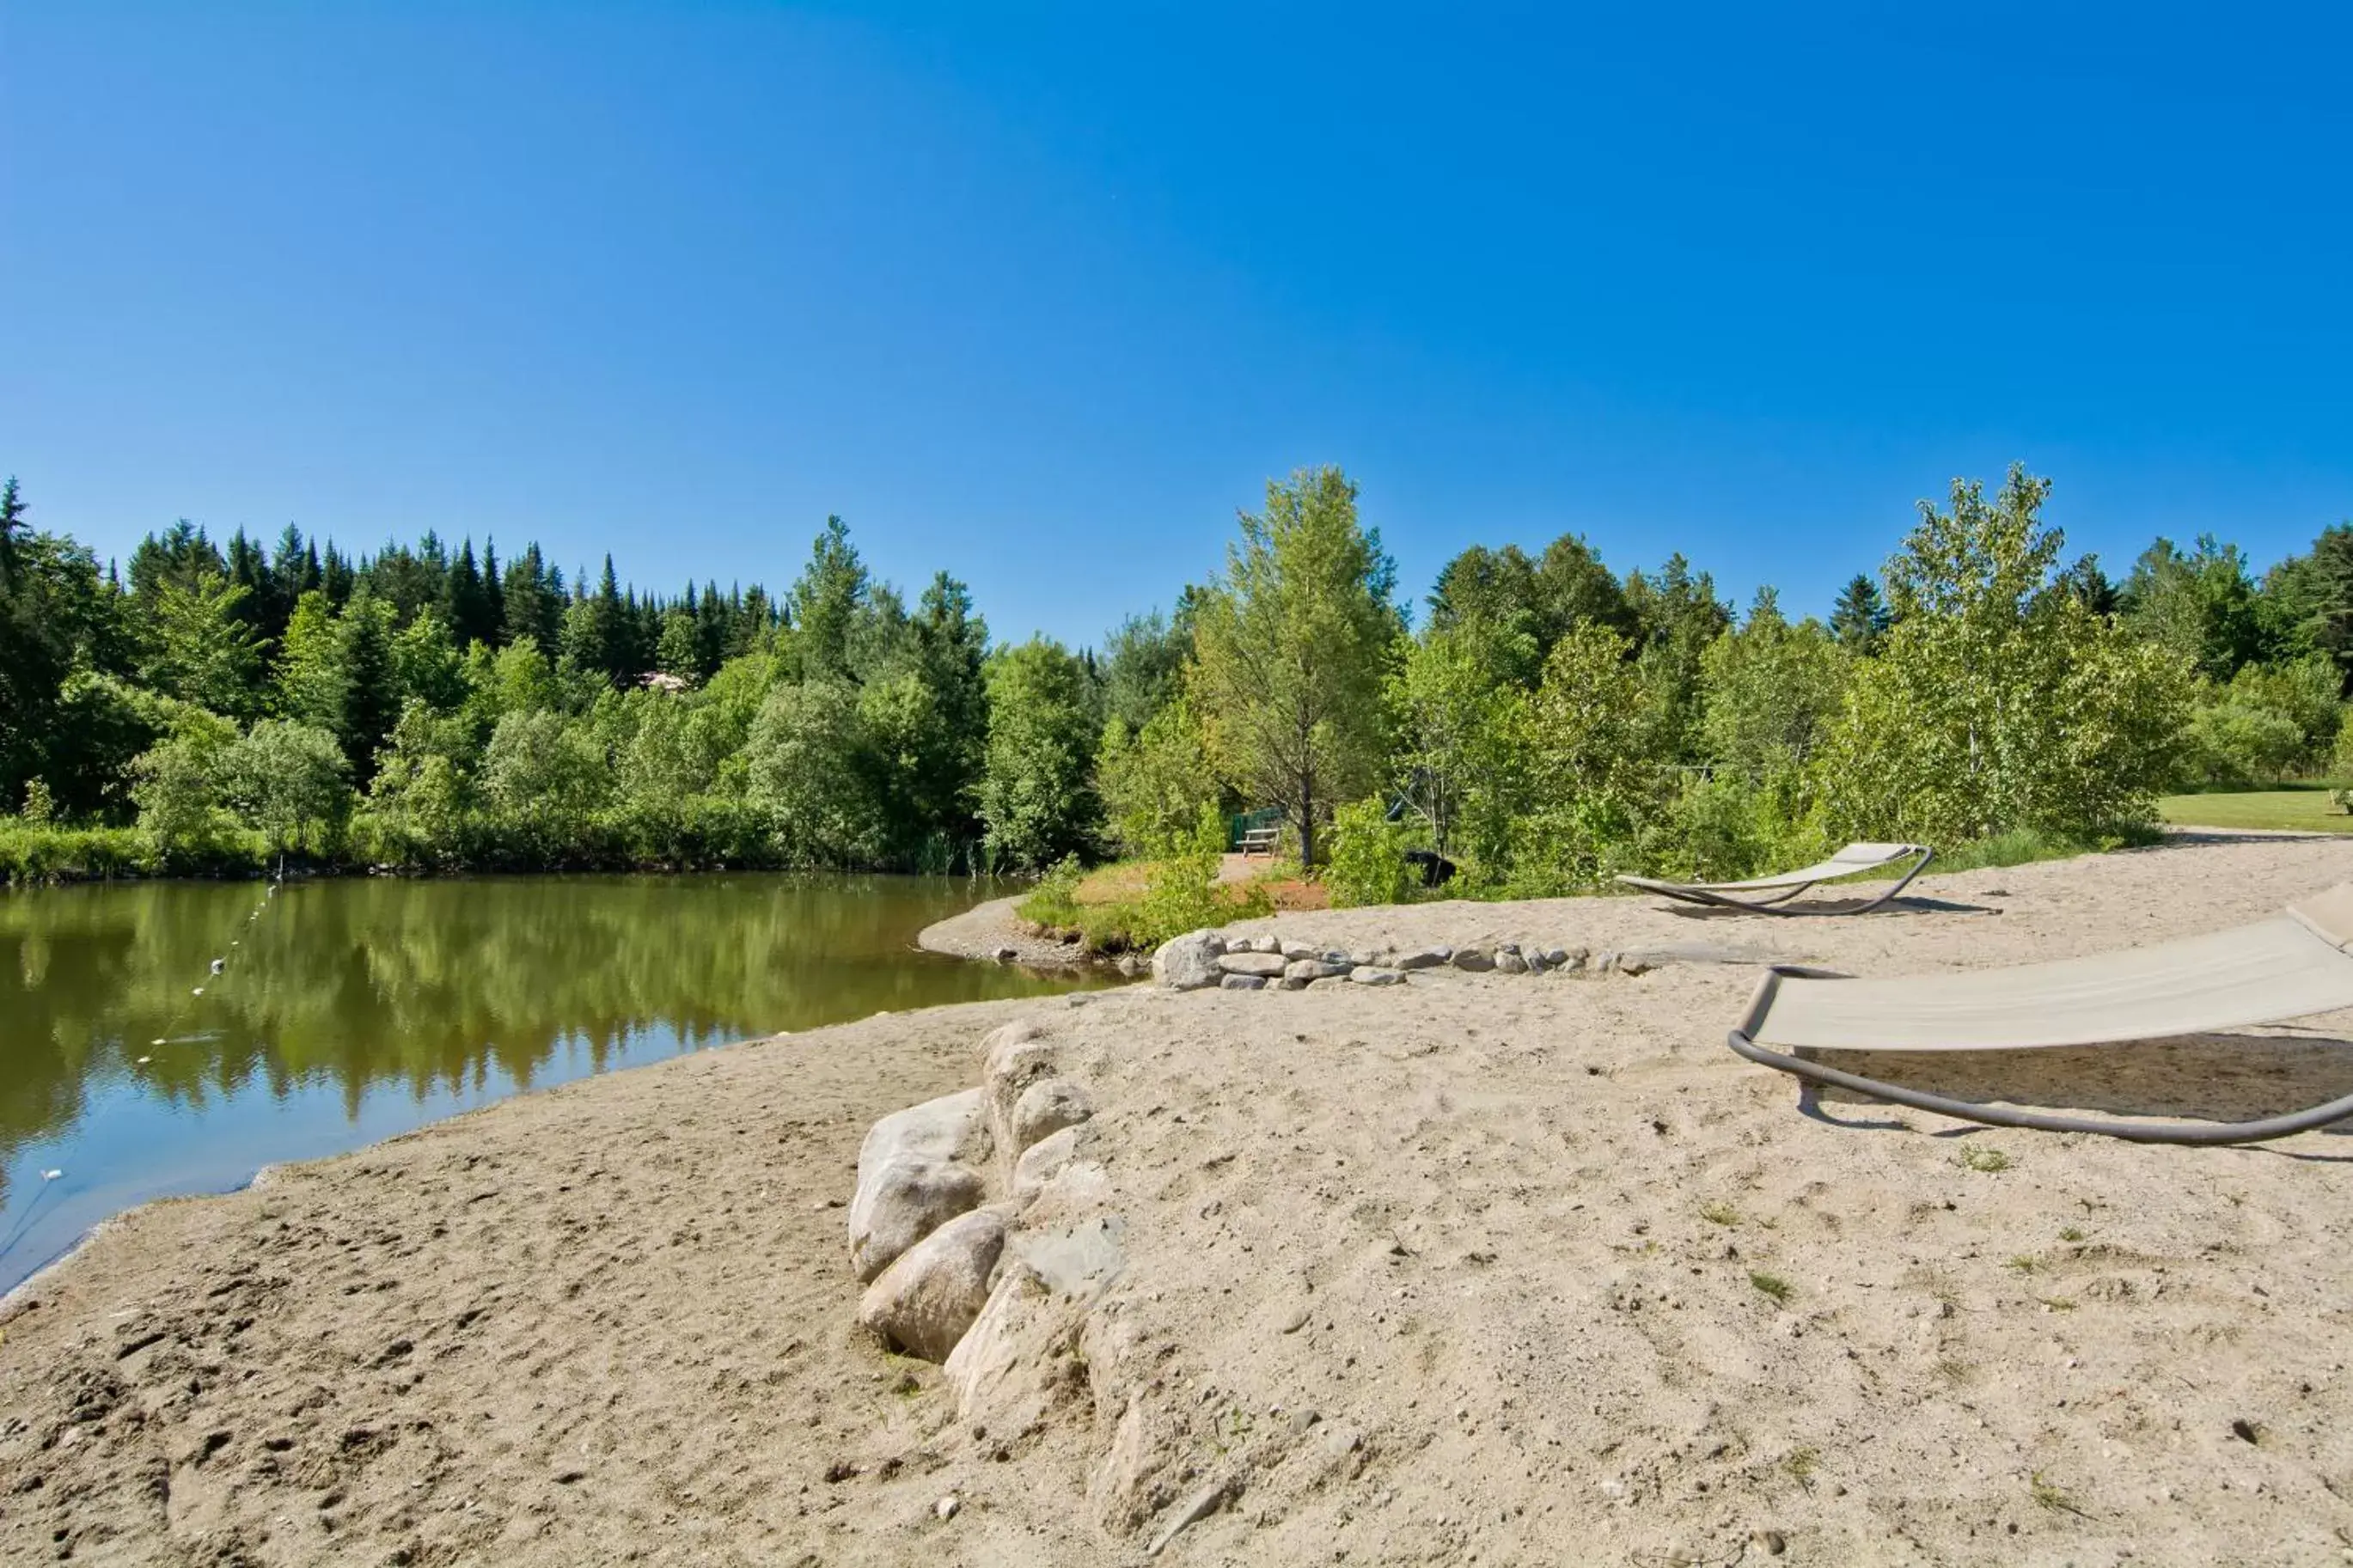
(1861, 618)
(465, 606)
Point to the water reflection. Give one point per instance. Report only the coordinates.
(349, 1009)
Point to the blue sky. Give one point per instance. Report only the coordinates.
(1041, 294)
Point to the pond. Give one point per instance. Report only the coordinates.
(348, 1010)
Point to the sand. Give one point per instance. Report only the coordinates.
(984, 931)
(1489, 1269)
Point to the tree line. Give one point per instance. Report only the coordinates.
(1543, 722)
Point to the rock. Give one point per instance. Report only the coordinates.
(1297, 950)
(1557, 957)
(1018, 1056)
(1006, 955)
(911, 1178)
(901, 1200)
(1364, 956)
(1369, 975)
(1291, 984)
(1266, 944)
(1045, 1109)
(1188, 962)
(1077, 1260)
(1266, 965)
(1474, 960)
(1634, 964)
(1511, 948)
(1603, 962)
(1243, 982)
(1004, 1367)
(947, 1507)
(1208, 1500)
(1131, 964)
(926, 1301)
(1511, 964)
(1425, 958)
(1042, 1162)
(1313, 969)
(1326, 983)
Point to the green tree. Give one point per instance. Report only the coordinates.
(200, 649)
(1143, 667)
(1770, 688)
(1291, 652)
(285, 779)
(1037, 795)
(427, 664)
(1462, 727)
(1859, 619)
(1156, 782)
(805, 775)
(826, 604)
(313, 682)
(545, 779)
(2202, 605)
(176, 785)
(1996, 703)
(1591, 774)
(420, 800)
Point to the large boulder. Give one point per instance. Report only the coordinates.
(1044, 1109)
(913, 1176)
(901, 1200)
(924, 1302)
(1188, 962)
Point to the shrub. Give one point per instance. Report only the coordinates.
(1368, 865)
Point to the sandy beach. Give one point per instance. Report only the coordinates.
(1485, 1268)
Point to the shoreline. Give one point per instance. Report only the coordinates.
(991, 933)
(1477, 1264)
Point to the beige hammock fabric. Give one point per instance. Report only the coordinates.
(2289, 967)
(1852, 860)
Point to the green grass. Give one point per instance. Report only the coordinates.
(1771, 1284)
(1978, 1157)
(2302, 807)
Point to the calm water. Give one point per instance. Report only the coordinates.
(350, 1010)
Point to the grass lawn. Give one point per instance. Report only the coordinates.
(2305, 807)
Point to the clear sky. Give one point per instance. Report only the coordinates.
(1042, 294)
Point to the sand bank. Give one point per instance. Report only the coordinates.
(1489, 1267)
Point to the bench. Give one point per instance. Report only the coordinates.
(1261, 841)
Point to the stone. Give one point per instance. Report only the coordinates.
(1291, 984)
(1078, 1260)
(1313, 969)
(1006, 955)
(1326, 983)
(1634, 964)
(1188, 962)
(1369, 975)
(1511, 948)
(1018, 1056)
(901, 1199)
(1603, 962)
(1243, 982)
(1267, 944)
(1042, 1162)
(930, 1296)
(1555, 957)
(1474, 960)
(947, 1507)
(1004, 1367)
(1511, 964)
(911, 1177)
(1204, 1502)
(1043, 1109)
(1266, 965)
(1297, 950)
(1425, 958)
(1364, 956)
